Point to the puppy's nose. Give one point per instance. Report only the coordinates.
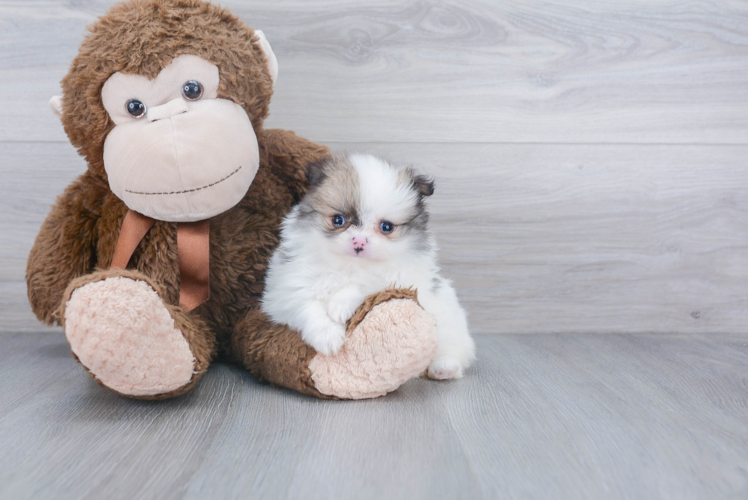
(171, 108)
(359, 241)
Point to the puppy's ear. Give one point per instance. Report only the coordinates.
(315, 172)
(424, 184)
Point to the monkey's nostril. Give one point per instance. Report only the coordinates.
(164, 117)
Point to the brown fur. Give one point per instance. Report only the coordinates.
(166, 29)
(282, 358)
(76, 243)
(78, 238)
(274, 353)
(375, 299)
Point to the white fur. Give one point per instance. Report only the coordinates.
(316, 282)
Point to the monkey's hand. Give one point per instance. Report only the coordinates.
(64, 248)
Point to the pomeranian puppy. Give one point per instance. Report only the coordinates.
(363, 227)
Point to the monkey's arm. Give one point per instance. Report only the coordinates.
(289, 156)
(65, 246)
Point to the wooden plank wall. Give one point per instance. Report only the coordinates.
(590, 155)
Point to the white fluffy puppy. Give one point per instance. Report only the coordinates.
(362, 228)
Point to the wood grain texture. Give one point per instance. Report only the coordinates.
(590, 161)
(538, 238)
(597, 239)
(540, 416)
(641, 71)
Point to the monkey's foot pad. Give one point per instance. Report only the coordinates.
(394, 342)
(123, 334)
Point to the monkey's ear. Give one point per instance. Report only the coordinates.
(423, 184)
(56, 104)
(269, 55)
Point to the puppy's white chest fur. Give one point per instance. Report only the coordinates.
(367, 278)
(332, 280)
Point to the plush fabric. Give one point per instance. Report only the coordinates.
(269, 55)
(199, 337)
(375, 299)
(194, 160)
(378, 355)
(67, 266)
(190, 180)
(135, 349)
(393, 343)
(274, 353)
(165, 30)
(165, 88)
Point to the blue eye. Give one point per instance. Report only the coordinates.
(338, 220)
(386, 226)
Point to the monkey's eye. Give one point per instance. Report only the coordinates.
(192, 90)
(338, 220)
(135, 108)
(386, 226)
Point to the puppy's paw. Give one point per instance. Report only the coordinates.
(326, 339)
(445, 369)
(340, 310)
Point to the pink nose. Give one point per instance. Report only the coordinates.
(359, 242)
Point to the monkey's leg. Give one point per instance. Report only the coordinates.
(129, 340)
(390, 340)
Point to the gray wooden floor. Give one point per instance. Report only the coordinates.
(591, 207)
(540, 416)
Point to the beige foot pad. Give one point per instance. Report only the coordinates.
(394, 342)
(123, 334)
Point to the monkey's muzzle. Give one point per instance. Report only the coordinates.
(186, 161)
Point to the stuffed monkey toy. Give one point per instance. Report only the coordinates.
(153, 260)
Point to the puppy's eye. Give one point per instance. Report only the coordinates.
(386, 226)
(135, 108)
(192, 90)
(338, 220)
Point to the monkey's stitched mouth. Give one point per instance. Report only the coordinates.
(186, 190)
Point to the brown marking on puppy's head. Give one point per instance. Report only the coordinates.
(142, 37)
(335, 190)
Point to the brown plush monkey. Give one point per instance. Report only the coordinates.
(153, 260)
